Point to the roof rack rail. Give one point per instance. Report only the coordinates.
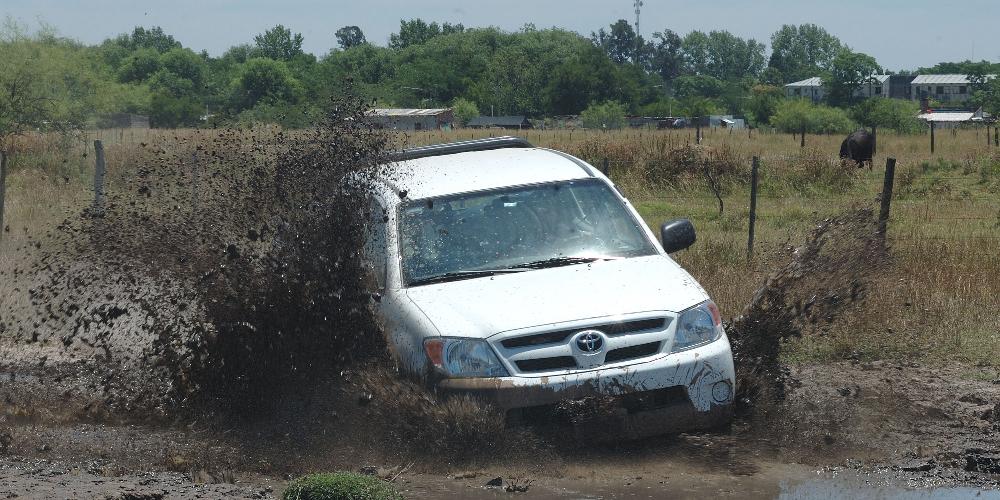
(459, 147)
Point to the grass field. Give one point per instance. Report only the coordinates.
(937, 302)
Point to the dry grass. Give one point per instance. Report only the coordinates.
(936, 302)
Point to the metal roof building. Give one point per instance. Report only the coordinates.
(810, 87)
(413, 119)
(506, 122)
(945, 88)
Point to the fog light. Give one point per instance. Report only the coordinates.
(722, 392)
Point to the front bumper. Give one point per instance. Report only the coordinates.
(702, 383)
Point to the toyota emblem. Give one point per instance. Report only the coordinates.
(590, 341)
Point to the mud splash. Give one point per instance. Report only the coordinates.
(224, 265)
(824, 278)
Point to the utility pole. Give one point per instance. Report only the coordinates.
(638, 6)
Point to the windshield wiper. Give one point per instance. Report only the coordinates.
(462, 275)
(560, 261)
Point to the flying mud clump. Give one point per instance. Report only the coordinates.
(223, 266)
(822, 279)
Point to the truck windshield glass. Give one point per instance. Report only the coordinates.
(561, 223)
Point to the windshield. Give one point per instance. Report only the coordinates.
(474, 234)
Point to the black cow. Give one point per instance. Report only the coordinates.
(859, 147)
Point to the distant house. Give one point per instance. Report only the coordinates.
(505, 122)
(810, 88)
(943, 88)
(813, 88)
(877, 86)
(413, 119)
(124, 120)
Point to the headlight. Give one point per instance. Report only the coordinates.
(464, 357)
(698, 326)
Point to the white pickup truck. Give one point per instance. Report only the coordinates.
(521, 275)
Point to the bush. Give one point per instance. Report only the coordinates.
(340, 486)
(464, 110)
(610, 114)
(793, 115)
(894, 114)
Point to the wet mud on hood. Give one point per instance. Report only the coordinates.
(483, 307)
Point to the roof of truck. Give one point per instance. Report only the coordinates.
(479, 170)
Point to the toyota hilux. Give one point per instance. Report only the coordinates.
(522, 276)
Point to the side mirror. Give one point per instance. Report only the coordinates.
(677, 234)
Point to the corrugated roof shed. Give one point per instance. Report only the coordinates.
(808, 82)
(408, 112)
(942, 79)
(952, 115)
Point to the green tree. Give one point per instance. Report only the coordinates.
(989, 96)
(263, 80)
(687, 87)
(139, 66)
(278, 43)
(894, 114)
(419, 32)
(800, 52)
(152, 38)
(699, 106)
(667, 58)
(722, 55)
(622, 44)
(350, 36)
(187, 65)
(607, 115)
(848, 72)
(464, 110)
(49, 83)
(169, 111)
(795, 115)
(763, 103)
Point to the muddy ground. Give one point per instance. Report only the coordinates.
(207, 334)
(879, 423)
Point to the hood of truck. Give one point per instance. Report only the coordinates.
(482, 307)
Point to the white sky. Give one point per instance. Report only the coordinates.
(901, 34)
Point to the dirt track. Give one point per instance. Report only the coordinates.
(879, 423)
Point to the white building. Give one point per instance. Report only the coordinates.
(811, 88)
(943, 88)
(877, 86)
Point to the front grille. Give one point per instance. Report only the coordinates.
(546, 364)
(610, 329)
(632, 352)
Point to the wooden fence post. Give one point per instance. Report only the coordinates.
(99, 170)
(606, 168)
(932, 137)
(753, 206)
(697, 131)
(802, 137)
(3, 189)
(883, 216)
(996, 137)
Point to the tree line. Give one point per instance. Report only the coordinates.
(534, 72)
